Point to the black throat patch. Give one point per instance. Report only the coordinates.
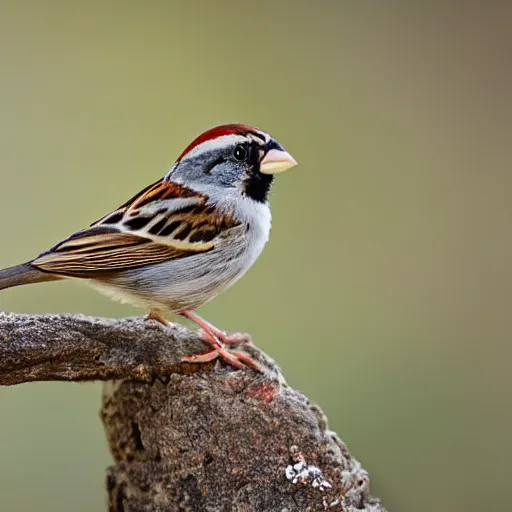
(257, 185)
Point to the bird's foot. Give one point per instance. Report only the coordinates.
(155, 320)
(232, 340)
(218, 340)
(233, 358)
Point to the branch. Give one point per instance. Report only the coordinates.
(190, 437)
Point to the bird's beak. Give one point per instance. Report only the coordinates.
(277, 160)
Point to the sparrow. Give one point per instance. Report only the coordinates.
(181, 241)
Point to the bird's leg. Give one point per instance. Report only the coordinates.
(236, 359)
(232, 340)
(155, 316)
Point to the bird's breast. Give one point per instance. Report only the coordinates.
(187, 283)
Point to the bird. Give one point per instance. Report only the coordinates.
(182, 240)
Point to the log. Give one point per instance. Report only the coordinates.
(188, 437)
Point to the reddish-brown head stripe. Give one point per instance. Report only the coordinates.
(219, 131)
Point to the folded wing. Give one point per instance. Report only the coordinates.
(164, 222)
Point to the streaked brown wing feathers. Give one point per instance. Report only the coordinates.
(138, 234)
(87, 256)
(158, 191)
(193, 224)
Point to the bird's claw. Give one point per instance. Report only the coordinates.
(232, 340)
(155, 321)
(233, 358)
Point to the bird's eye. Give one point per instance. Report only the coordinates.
(240, 153)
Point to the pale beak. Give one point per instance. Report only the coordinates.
(276, 160)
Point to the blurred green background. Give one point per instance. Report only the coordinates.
(385, 290)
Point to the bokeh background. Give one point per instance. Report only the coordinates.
(385, 290)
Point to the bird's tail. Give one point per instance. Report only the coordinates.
(23, 274)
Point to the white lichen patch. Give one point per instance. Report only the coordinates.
(301, 473)
(332, 504)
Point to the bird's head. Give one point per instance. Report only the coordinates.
(233, 156)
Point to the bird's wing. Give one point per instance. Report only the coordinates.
(164, 222)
